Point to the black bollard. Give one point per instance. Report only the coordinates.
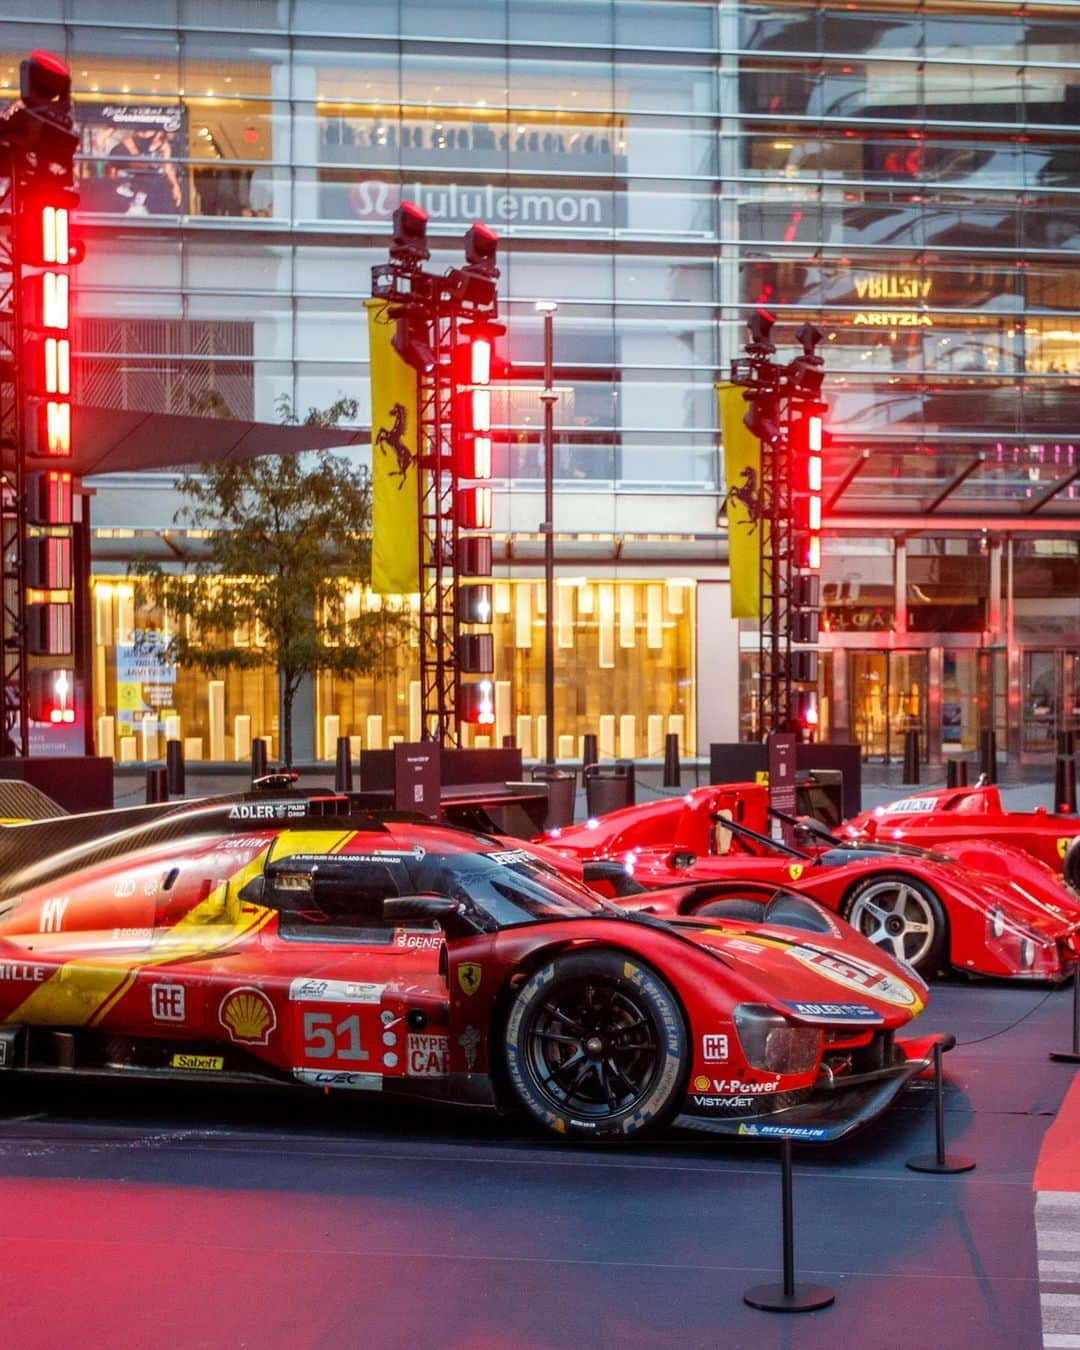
(1065, 784)
(988, 755)
(939, 1162)
(343, 769)
(509, 743)
(174, 767)
(1072, 1056)
(788, 1297)
(911, 756)
(672, 767)
(589, 751)
(956, 773)
(258, 758)
(157, 789)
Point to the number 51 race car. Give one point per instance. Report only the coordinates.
(302, 942)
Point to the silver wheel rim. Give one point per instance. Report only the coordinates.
(897, 918)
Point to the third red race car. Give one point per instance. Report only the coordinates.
(970, 816)
(1012, 917)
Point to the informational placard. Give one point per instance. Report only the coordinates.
(145, 683)
(781, 748)
(417, 785)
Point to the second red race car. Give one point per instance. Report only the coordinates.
(1012, 917)
(971, 816)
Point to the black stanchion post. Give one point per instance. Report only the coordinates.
(174, 767)
(509, 743)
(911, 756)
(788, 1297)
(1065, 784)
(343, 767)
(258, 758)
(956, 773)
(939, 1162)
(589, 750)
(1072, 1056)
(156, 786)
(672, 767)
(988, 755)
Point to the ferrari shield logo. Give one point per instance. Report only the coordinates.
(795, 871)
(1063, 847)
(469, 975)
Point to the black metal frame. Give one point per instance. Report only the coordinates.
(13, 516)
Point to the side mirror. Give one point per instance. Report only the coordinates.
(448, 914)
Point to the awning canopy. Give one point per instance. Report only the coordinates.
(120, 440)
(1003, 482)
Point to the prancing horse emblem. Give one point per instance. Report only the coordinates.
(393, 438)
(747, 495)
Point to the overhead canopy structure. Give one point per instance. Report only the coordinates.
(121, 440)
(1031, 484)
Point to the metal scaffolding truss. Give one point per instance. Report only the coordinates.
(776, 568)
(13, 656)
(438, 538)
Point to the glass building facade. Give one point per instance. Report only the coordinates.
(905, 175)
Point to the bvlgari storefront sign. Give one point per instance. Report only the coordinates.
(373, 199)
(893, 287)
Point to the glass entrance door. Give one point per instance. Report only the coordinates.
(887, 693)
(967, 699)
(1050, 698)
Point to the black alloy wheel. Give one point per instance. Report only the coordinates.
(596, 1046)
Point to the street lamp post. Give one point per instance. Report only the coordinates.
(547, 528)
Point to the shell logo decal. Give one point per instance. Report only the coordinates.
(795, 871)
(701, 1083)
(248, 1016)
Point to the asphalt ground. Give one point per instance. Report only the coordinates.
(161, 1218)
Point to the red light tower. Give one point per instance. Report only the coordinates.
(446, 327)
(785, 412)
(37, 149)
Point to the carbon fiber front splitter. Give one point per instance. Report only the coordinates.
(827, 1115)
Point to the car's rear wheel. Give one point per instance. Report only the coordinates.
(902, 916)
(596, 1046)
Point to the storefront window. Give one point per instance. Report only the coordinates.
(857, 587)
(948, 585)
(625, 670)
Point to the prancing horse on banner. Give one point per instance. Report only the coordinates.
(393, 438)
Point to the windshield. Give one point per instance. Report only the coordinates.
(509, 888)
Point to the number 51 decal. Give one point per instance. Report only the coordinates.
(327, 1038)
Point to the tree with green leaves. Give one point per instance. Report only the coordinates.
(287, 535)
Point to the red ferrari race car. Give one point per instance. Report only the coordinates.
(304, 943)
(955, 816)
(926, 909)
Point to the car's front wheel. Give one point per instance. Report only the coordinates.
(903, 917)
(596, 1046)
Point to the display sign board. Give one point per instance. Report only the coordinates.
(417, 785)
(781, 750)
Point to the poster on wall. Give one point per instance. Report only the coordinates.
(134, 163)
(145, 684)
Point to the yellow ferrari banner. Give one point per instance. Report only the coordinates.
(395, 425)
(742, 475)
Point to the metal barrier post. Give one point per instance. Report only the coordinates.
(788, 1297)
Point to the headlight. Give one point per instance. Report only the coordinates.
(1027, 953)
(997, 923)
(770, 1042)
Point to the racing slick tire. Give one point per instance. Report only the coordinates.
(1070, 868)
(902, 916)
(596, 1047)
